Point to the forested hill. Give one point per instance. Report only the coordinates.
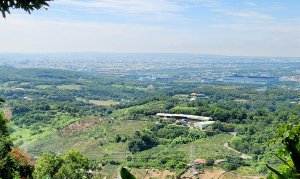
(112, 120)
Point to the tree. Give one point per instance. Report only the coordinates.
(233, 162)
(26, 5)
(7, 163)
(25, 166)
(141, 142)
(47, 166)
(72, 165)
(290, 138)
(125, 174)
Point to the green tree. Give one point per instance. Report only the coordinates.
(141, 142)
(75, 165)
(290, 153)
(233, 162)
(125, 174)
(26, 5)
(25, 166)
(7, 163)
(47, 166)
(72, 165)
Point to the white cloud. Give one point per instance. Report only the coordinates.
(251, 15)
(251, 4)
(221, 7)
(125, 7)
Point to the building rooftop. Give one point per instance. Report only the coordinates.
(192, 117)
(200, 161)
(242, 76)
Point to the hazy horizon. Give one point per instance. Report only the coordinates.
(141, 53)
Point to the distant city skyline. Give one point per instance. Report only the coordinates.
(216, 27)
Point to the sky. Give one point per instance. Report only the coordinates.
(217, 27)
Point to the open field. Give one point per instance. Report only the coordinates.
(222, 174)
(103, 103)
(241, 100)
(79, 126)
(25, 136)
(131, 87)
(153, 174)
(95, 142)
(211, 147)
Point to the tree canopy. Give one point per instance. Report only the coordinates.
(26, 5)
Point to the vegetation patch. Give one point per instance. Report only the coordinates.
(208, 148)
(231, 87)
(241, 100)
(78, 127)
(103, 103)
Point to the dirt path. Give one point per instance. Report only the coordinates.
(243, 156)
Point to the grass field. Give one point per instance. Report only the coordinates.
(24, 136)
(131, 87)
(103, 103)
(211, 147)
(241, 100)
(94, 143)
(69, 87)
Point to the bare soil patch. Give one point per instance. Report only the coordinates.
(153, 174)
(78, 127)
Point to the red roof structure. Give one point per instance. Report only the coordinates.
(200, 161)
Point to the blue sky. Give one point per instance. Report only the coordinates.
(225, 27)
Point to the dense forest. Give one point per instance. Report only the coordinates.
(55, 122)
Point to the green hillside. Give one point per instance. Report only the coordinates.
(112, 120)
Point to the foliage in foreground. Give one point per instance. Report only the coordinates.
(125, 174)
(72, 165)
(28, 5)
(8, 165)
(289, 153)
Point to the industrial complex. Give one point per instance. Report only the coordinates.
(261, 80)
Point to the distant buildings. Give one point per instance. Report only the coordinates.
(146, 79)
(195, 96)
(203, 124)
(183, 116)
(260, 80)
(164, 79)
(191, 121)
(132, 74)
(158, 79)
(208, 80)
